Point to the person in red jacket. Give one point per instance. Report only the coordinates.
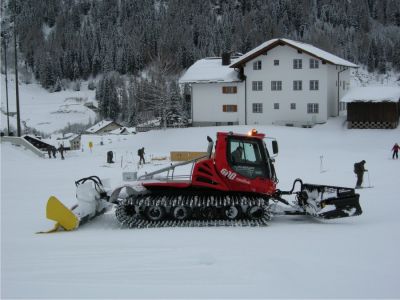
(395, 150)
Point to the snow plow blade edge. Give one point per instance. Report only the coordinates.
(62, 215)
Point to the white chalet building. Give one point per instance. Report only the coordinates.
(279, 82)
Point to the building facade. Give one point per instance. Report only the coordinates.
(279, 82)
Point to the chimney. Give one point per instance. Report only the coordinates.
(226, 58)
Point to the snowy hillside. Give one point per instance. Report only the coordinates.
(44, 111)
(294, 257)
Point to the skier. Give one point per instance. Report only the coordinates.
(61, 150)
(141, 155)
(395, 150)
(359, 169)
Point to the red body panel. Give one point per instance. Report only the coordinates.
(216, 173)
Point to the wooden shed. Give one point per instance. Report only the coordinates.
(373, 107)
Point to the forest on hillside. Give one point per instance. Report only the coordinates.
(69, 41)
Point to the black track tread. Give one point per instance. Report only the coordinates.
(193, 199)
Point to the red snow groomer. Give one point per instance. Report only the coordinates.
(234, 186)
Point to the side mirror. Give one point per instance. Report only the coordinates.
(275, 147)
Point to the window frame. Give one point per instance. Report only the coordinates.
(276, 62)
(314, 63)
(229, 108)
(257, 108)
(292, 106)
(229, 90)
(257, 65)
(257, 86)
(297, 63)
(297, 85)
(312, 108)
(314, 85)
(276, 85)
(276, 105)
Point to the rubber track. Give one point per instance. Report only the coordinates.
(193, 201)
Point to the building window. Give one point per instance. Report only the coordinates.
(257, 65)
(297, 63)
(314, 85)
(292, 106)
(344, 85)
(314, 63)
(276, 85)
(342, 106)
(229, 89)
(257, 85)
(297, 85)
(257, 108)
(276, 105)
(276, 62)
(312, 108)
(229, 108)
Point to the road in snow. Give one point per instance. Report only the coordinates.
(293, 257)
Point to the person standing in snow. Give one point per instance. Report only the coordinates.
(395, 150)
(49, 151)
(141, 155)
(359, 169)
(53, 151)
(61, 150)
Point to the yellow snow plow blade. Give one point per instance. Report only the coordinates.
(58, 212)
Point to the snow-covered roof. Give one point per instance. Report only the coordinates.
(310, 49)
(372, 94)
(99, 126)
(208, 70)
(124, 130)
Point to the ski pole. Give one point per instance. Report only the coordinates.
(369, 182)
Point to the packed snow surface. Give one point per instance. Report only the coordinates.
(294, 257)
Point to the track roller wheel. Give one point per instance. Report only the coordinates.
(255, 212)
(209, 212)
(155, 213)
(181, 212)
(232, 212)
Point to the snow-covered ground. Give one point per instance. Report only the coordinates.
(294, 257)
(44, 111)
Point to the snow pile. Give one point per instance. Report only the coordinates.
(372, 94)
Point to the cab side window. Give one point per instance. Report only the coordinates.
(246, 158)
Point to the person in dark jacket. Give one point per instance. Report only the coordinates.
(141, 155)
(49, 151)
(61, 150)
(53, 151)
(237, 155)
(359, 169)
(395, 150)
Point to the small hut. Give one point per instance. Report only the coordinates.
(373, 107)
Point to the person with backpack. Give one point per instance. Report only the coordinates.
(359, 169)
(141, 155)
(395, 150)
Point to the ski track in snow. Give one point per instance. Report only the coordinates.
(295, 257)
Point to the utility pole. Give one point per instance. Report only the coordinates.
(5, 67)
(16, 71)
